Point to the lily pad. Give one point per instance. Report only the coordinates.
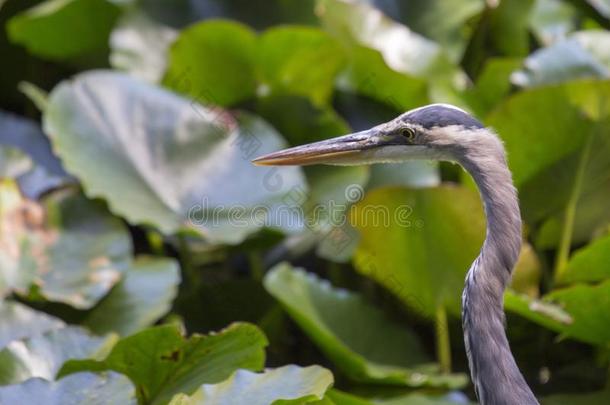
(348, 330)
(412, 238)
(162, 160)
(143, 296)
(589, 264)
(565, 162)
(578, 312)
(300, 61)
(161, 363)
(43, 355)
(214, 62)
(581, 55)
(442, 21)
(76, 389)
(139, 45)
(18, 321)
(286, 385)
(68, 249)
(404, 51)
(49, 29)
(589, 307)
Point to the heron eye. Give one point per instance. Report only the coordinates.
(408, 133)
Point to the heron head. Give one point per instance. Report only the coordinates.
(430, 132)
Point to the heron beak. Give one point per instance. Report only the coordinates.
(347, 149)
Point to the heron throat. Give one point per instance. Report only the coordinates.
(495, 374)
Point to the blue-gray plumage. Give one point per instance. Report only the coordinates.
(444, 132)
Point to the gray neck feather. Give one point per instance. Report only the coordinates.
(495, 374)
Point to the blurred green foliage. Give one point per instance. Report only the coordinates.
(144, 259)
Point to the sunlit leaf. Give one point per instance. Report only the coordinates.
(213, 62)
(161, 363)
(43, 355)
(143, 296)
(68, 249)
(442, 21)
(412, 238)
(18, 321)
(77, 389)
(300, 61)
(589, 307)
(492, 85)
(348, 330)
(553, 20)
(163, 160)
(139, 46)
(501, 31)
(557, 147)
(584, 54)
(402, 50)
(549, 315)
(285, 385)
(589, 264)
(60, 29)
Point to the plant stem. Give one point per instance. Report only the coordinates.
(563, 252)
(257, 268)
(443, 345)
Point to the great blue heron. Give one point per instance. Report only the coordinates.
(445, 132)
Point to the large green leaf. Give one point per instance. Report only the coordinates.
(552, 20)
(163, 160)
(60, 29)
(579, 311)
(501, 31)
(299, 60)
(143, 296)
(68, 249)
(584, 54)
(557, 147)
(589, 307)
(76, 389)
(368, 74)
(43, 355)
(161, 363)
(139, 45)
(285, 385)
(542, 312)
(589, 264)
(412, 238)
(442, 21)
(214, 62)
(492, 84)
(18, 321)
(223, 63)
(348, 330)
(360, 25)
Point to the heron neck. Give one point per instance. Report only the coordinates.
(493, 368)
